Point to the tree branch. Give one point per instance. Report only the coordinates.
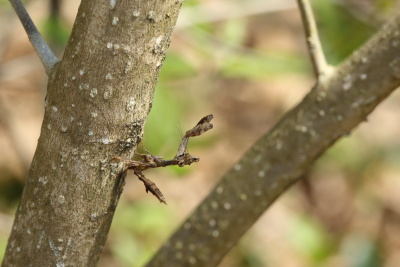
(282, 156)
(320, 66)
(42, 49)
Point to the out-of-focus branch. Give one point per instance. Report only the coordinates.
(282, 156)
(42, 49)
(321, 67)
(212, 11)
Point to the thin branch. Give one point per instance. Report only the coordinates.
(42, 49)
(182, 158)
(321, 67)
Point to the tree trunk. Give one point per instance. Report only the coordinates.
(97, 102)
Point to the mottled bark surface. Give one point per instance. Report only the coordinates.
(98, 99)
(331, 110)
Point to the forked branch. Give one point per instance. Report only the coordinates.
(181, 158)
(42, 49)
(320, 66)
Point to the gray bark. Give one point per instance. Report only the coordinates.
(98, 99)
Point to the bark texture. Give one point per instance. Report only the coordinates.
(98, 99)
(331, 110)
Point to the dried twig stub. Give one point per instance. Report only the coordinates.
(201, 127)
(181, 158)
(151, 186)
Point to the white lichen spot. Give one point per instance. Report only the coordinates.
(346, 86)
(243, 196)
(73, 78)
(128, 66)
(43, 180)
(61, 199)
(83, 14)
(364, 60)
(151, 16)
(65, 84)
(135, 14)
(18, 249)
(115, 20)
(90, 132)
(29, 231)
(130, 105)
(85, 155)
(257, 192)
(64, 128)
(179, 255)
(112, 4)
(214, 205)
(93, 114)
(212, 222)
(108, 92)
(261, 173)
(237, 167)
(108, 76)
(60, 240)
(81, 72)
(339, 117)
(83, 86)
(73, 105)
(363, 76)
(220, 189)
(54, 108)
(71, 119)
(105, 141)
(93, 92)
(79, 123)
(192, 260)
(215, 233)
(109, 45)
(227, 206)
(321, 113)
(158, 45)
(49, 126)
(278, 145)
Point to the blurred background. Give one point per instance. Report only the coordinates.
(245, 62)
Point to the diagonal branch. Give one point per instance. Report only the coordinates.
(320, 66)
(42, 49)
(282, 156)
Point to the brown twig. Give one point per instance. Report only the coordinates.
(181, 158)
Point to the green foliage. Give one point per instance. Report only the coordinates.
(310, 239)
(253, 66)
(340, 32)
(137, 230)
(55, 31)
